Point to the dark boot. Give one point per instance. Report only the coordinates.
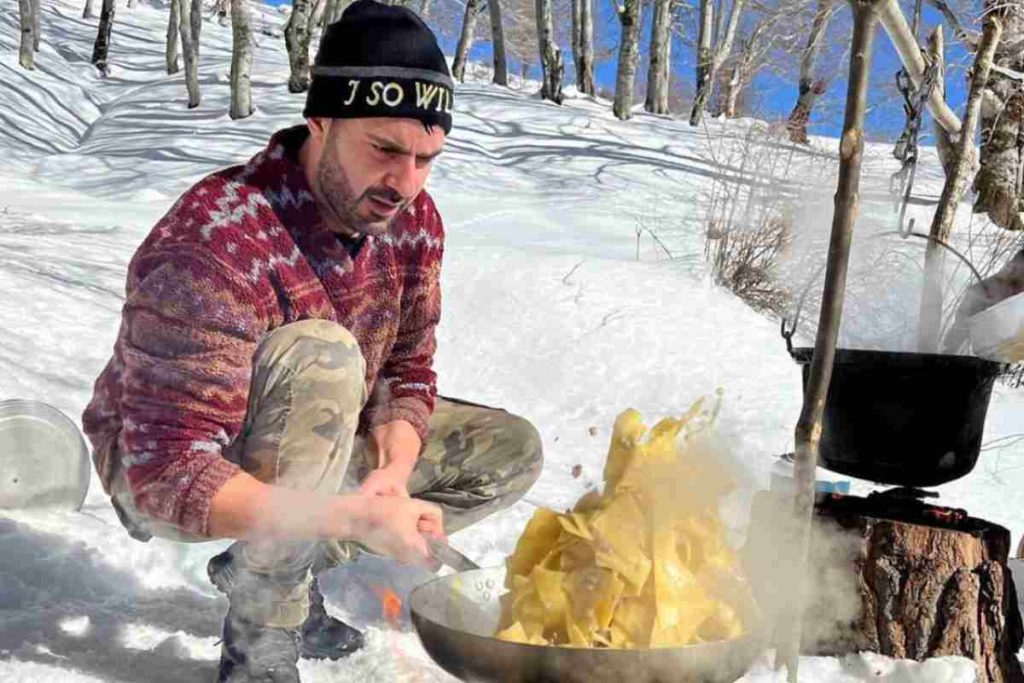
(321, 635)
(251, 653)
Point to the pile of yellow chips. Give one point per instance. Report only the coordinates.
(643, 564)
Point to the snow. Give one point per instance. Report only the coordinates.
(547, 312)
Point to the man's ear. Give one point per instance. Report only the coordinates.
(318, 128)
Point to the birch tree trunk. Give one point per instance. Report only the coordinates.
(574, 35)
(36, 30)
(171, 51)
(241, 61)
(222, 12)
(498, 43)
(101, 48)
(425, 9)
(88, 12)
(660, 49)
(809, 89)
(930, 319)
(197, 26)
(188, 52)
(585, 74)
(732, 92)
(943, 143)
(26, 55)
(709, 62)
(704, 58)
(629, 53)
(1000, 179)
(296, 40)
(465, 39)
(550, 56)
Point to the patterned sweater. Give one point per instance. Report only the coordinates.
(240, 253)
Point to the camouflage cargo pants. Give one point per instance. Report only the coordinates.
(306, 394)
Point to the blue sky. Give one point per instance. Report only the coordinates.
(776, 94)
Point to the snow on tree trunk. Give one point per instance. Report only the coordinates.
(188, 52)
(809, 88)
(296, 40)
(465, 39)
(88, 12)
(26, 57)
(241, 61)
(585, 74)
(171, 51)
(550, 56)
(710, 61)
(999, 183)
(658, 69)
(629, 54)
(498, 43)
(101, 48)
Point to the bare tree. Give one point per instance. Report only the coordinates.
(171, 51)
(550, 56)
(751, 58)
(585, 47)
(241, 61)
(1000, 179)
(101, 48)
(296, 40)
(188, 50)
(498, 43)
(710, 57)
(660, 49)
(473, 9)
(809, 88)
(88, 12)
(629, 53)
(196, 24)
(26, 56)
(36, 29)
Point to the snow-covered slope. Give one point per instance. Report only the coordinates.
(547, 312)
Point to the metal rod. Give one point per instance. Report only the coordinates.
(930, 318)
(808, 428)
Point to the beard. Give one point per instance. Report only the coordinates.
(341, 203)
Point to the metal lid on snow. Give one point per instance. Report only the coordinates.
(44, 461)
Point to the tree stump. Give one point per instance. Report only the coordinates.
(902, 579)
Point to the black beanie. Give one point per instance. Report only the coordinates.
(380, 61)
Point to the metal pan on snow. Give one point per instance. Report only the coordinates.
(44, 461)
(455, 617)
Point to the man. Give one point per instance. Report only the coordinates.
(272, 378)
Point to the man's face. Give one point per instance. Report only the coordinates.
(370, 170)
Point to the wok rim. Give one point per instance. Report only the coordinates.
(804, 354)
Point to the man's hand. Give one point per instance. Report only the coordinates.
(397, 446)
(398, 527)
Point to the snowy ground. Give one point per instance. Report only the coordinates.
(547, 313)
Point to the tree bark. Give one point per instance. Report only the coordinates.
(498, 43)
(197, 26)
(241, 61)
(930, 324)
(26, 53)
(550, 56)
(1000, 180)
(101, 48)
(171, 50)
(296, 40)
(222, 12)
(808, 428)
(585, 74)
(36, 28)
(710, 61)
(465, 39)
(574, 35)
(660, 50)
(88, 12)
(943, 143)
(809, 89)
(425, 9)
(188, 52)
(629, 54)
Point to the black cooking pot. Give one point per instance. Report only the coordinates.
(911, 419)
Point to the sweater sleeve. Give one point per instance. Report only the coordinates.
(190, 330)
(407, 385)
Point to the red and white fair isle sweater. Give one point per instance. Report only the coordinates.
(240, 253)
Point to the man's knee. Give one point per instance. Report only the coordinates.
(526, 452)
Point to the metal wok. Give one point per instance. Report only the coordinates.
(456, 615)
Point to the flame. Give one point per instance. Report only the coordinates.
(390, 605)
